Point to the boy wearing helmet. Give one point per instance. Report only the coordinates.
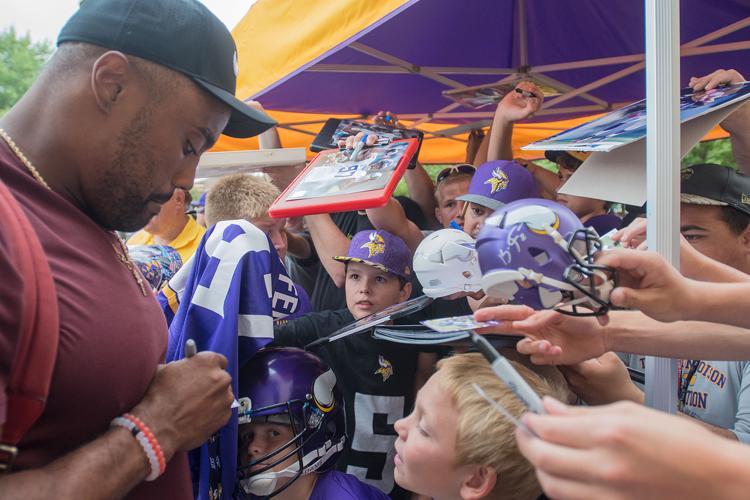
(291, 430)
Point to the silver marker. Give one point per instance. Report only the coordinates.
(505, 371)
(501, 409)
(358, 148)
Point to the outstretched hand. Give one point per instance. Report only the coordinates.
(713, 80)
(387, 119)
(551, 338)
(352, 140)
(516, 106)
(650, 284)
(624, 450)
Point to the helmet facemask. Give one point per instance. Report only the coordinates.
(264, 480)
(593, 282)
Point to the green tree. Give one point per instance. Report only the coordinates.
(20, 62)
(718, 151)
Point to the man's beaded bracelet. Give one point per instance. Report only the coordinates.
(147, 440)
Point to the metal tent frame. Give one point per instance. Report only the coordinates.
(441, 75)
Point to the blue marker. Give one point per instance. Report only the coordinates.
(358, 148)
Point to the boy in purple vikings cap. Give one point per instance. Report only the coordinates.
(378, 272)
(377, 378)
(494, 184)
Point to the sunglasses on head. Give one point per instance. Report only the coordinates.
(464, 168)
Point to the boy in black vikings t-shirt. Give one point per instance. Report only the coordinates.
(378, 379)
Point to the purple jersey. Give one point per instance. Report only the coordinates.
(303, 307)
(335, 485)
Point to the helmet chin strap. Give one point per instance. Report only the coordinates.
(264, 484)
(267, 483)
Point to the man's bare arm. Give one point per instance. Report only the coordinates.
(736, 123)
(634, 332)
(106, 468)
(186, 402)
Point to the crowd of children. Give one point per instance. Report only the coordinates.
(263, 374)
(365, 418)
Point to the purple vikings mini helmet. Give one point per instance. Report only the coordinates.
(537, 253)
(291, 387)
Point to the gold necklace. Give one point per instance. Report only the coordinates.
(120, 248)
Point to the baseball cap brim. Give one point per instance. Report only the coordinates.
(694, 199)
(485, 201)
(381, 267)
(244, 121)
(553, 155)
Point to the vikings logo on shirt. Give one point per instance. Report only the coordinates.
(745, 199)
(686, 173)
(498, 181)
(376, 245)
(386, 368)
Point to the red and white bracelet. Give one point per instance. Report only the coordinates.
(147, 440)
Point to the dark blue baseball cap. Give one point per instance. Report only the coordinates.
(182, 35)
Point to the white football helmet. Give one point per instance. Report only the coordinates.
(446, 263)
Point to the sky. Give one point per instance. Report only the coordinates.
(42, 19)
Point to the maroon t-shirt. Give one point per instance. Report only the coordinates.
(111, 337)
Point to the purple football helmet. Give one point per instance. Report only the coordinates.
(291, 387)
(537, 253)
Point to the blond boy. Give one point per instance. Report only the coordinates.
(248, 197)
(454, 445)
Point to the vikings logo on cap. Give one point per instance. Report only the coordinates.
(498, 181)
(386, 368)
(376, 245)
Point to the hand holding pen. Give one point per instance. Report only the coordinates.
(521, 103)
(356, 143)
(191, 349)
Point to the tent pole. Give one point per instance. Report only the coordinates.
(523, 48)
(663, 167)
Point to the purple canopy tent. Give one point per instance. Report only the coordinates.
(592, 51)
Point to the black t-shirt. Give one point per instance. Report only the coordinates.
(324, 294)
(376, 379)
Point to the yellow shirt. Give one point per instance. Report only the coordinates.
(186, 242)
